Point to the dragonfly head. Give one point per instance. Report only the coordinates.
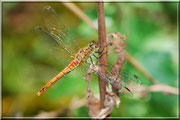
(93, 45)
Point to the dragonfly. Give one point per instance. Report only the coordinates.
(65, 46)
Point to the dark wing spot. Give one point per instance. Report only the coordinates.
(127, 89)
(136, 76)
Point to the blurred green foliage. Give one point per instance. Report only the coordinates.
(151, 31)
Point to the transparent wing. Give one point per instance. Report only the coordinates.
(58, 31)
(129, 78)
(61, 54)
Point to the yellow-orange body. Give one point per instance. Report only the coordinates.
(79, 58)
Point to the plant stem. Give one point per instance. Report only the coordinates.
(103, 59)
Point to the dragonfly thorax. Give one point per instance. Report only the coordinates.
(84, 53)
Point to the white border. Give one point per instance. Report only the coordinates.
(90, 0)
(83, 1)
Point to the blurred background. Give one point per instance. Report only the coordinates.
(151, 31)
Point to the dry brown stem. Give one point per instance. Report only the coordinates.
(119, 48)
(93, 103)
(103, 58)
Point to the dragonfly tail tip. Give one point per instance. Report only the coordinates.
(38, 93)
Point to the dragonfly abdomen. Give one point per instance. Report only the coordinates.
(68, 69)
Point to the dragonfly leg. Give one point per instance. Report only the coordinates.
(103, 54)
(98, 58)
(102, 49)
(92, 60)
(100, 55)
(95, 56)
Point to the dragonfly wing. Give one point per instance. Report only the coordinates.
(129, 78)
(55, 48)
(45, 36)
(58, 30)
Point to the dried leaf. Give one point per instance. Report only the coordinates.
(117, 42)
(110, 100)
(93, 104)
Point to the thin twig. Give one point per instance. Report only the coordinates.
(129, 58)
(76, 10)
(103, 59)
(144, 90)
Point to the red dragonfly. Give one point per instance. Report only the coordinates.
(63, 43)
